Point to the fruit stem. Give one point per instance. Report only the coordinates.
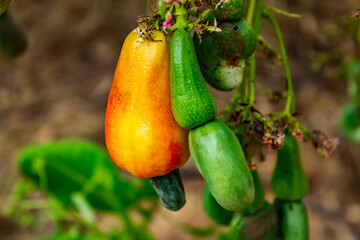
(181, 16)
(162, 10)
(240, 94)
(201, 17)
(242, 89)
(232, 105)
(250, 13)
(290, 97)
(256, 27)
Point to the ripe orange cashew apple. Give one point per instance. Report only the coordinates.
(141, 134)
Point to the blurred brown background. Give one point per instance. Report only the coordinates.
(59, 89)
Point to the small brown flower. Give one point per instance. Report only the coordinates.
(267, 138)
(298, 134)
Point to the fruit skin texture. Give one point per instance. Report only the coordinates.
(350, 122)
(293, 220)
(289, 181)
(236, 40)
(191, 100)
(214, 211)
(141, 134)
(230, 10)
(221, 74)
(220, 160)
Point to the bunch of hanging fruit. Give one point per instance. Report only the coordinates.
(159, 106)
(160, 111)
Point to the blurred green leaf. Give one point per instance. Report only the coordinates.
(84, 208)
(65, 236)
(21, 189)
(200, 232)
(67, 167)
(353, 69)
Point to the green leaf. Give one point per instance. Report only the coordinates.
(66, 236)
(65, 167)
(21, 189)
(200, 232)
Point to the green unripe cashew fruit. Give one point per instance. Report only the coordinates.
(214, 210)
(221, 74)
(221, 54)
(191, 101)
(289, 181)
(293, 220)
(228, 10)
(219, 157)
(259, 199)
(262, 225)
(236, 39)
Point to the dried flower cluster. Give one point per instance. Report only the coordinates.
(264, 130)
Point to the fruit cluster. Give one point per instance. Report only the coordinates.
(159, 95)
(160, 111)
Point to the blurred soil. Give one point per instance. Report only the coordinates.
(59, 89)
